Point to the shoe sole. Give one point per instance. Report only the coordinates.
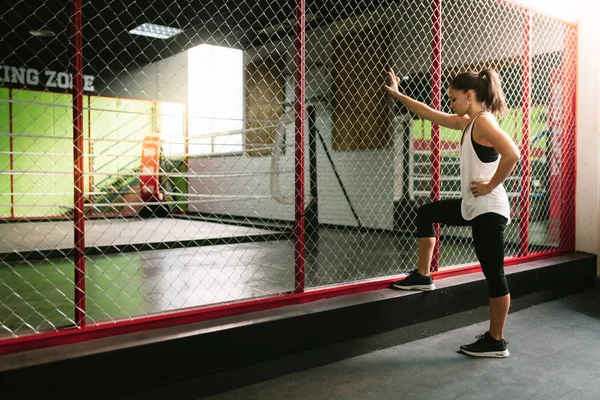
(489, 354)
(415, 287)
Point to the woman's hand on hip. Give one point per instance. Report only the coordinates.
(480, 188)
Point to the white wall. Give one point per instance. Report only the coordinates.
(588, 129)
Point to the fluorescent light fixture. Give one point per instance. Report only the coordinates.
(42, 33)
(155, 31)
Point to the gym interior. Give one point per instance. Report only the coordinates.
(228, 180)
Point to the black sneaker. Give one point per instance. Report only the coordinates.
(486, 346)
(415, 281)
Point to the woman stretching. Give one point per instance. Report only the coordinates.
(487, 157)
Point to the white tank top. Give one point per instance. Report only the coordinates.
(472, 168)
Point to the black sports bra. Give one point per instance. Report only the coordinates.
(486, 154)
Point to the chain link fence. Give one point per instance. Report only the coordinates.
(191, 172)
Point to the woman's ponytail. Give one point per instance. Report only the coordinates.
(490, 91)
(487, 87)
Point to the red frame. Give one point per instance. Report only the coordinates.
(525, 141)
(78, 158)
(90, 158)
(436, 104)
(569, 161)
(300, 111)
(11, 156)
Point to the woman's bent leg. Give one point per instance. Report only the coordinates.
(446, 212)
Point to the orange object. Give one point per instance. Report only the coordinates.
(149, 169)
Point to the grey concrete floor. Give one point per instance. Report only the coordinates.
(555, 354)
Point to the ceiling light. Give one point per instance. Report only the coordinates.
(42, 33)
(155, 31)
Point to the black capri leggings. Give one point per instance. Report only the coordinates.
(488, 238)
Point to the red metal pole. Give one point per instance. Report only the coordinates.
(11, 157)
(300, 111)
(555, 157)
(569, 92)
(90, 158)
(525, 142)
(187, 158)
(78, 175)
(436, 104)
